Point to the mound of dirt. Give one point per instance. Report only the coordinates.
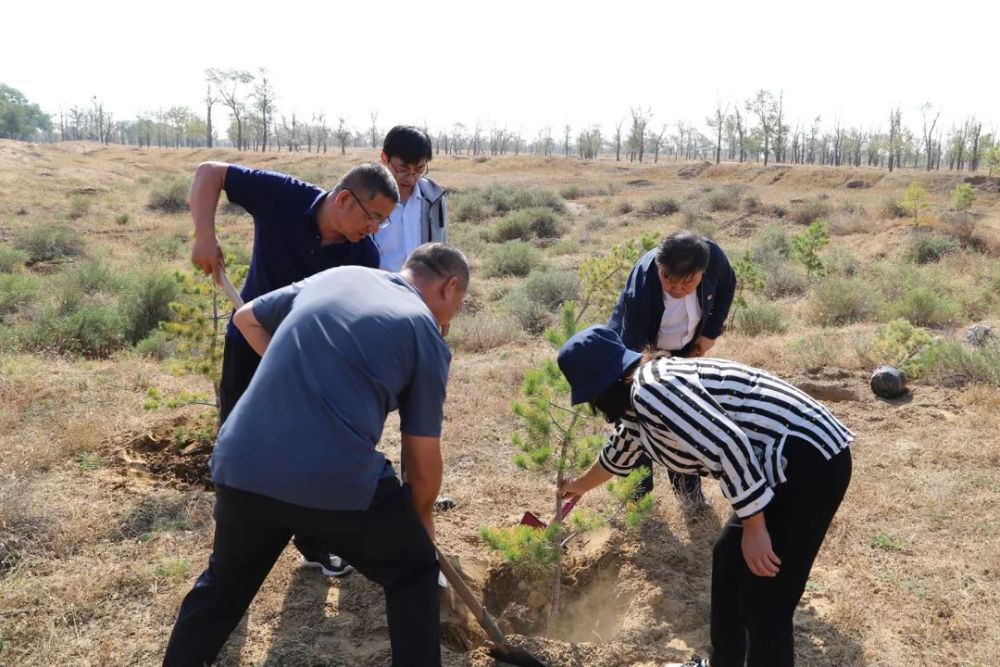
(174, 451)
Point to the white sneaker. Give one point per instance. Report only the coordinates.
(329, 564)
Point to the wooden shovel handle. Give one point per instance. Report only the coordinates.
(478, 610)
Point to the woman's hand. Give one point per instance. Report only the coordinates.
(571, 489)
(756, 546)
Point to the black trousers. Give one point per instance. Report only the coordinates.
(688, 487)
(751, 615)
(239, 363)
(387, 543)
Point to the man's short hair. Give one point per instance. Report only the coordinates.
(438, 260)
(369, 179)
(682, 254)
(409, 143)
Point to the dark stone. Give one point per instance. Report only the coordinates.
(888, 382)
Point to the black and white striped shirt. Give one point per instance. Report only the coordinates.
(722, 418)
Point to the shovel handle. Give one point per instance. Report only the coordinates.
(227, 287)
(478, 610)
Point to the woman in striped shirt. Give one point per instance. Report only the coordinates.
(781, 457)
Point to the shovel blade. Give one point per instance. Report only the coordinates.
(531, 519)
(514, 656)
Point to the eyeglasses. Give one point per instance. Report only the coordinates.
(373, 219)
(403, 171)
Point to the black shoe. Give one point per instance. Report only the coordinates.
(329, 564)
(443, 504)
(695, 661)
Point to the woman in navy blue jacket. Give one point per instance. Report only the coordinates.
(677, 298)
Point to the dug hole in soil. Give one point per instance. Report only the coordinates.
(603, 609)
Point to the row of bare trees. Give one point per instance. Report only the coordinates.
(754, 130)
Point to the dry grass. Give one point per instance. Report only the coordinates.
(96, 550)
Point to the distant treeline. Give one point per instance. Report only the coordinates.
(755, 130)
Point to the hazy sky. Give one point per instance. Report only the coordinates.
(523, 64)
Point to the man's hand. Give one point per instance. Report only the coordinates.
(206, 253)
(756, 547)
(702, 346)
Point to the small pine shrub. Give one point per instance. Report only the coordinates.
(514, 258)
(170, 196)
(963, 197)
(48, 243)
(895, 344)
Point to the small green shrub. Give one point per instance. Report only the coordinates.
(91, 330)
(527, 223)
(817, 351)
(895, 343)
(572, 192)
(703, 227)
(839, 261)
(660, 206)
(524, 546)
(12, 260)
(808, 212)
(483, 332)
(963, 197)
(514, 258)
(147, 303)
(624, 207)
(121, 219)
(170, 196)
(806, 246)
(79, 206)
(926, 249)
(838, 301)
(783, 279)
(511, 227)
(756, 319)
(166, 248)
(924, 306)
(468, 206)
(16, 292)
(89, 277)
(48, 243)
(595, 222)
(726, 198)
(552, 288)
(159, 345)
(961, 225)
(505, 198)
(950, 360)
(534, 317)
(771, 246)
(892, 209)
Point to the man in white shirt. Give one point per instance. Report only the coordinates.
(420, 216)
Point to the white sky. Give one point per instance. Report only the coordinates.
(520, 64)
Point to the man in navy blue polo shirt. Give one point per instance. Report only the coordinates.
(298, 455)
(299, 230)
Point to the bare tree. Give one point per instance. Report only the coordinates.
(210, 100)
(929, 133)
(229, 85)
(343, 134)
(717, 121)
(975, 129)
(566, 134)
(618, 139)
(373, 131)
(895, 120)
(656, 140)
(263, 95)
(741, 131)
(763, 106)
(637, 136)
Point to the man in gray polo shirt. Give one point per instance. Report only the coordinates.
(297, 455)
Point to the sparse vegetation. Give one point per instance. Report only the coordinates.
(48, 243)
(170, 196)
(756, 319)
(839, 301)
(660, 206)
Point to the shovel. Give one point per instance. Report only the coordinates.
(222, 280)
(499, 647)
(531, 519)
